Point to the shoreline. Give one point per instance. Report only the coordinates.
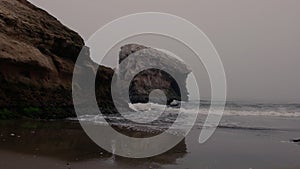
(63, 144)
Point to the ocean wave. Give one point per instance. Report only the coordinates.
(232, 109)
(169, 117)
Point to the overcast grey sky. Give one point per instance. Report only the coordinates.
(258, 40)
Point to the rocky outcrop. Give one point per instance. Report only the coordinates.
(37, 56)
(148, 80)
(31, 38)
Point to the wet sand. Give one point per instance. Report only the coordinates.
(64, 145)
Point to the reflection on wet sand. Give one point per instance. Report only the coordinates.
(65, 140)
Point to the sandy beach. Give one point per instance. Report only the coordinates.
(264, 145)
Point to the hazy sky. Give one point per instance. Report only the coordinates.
(258, 40)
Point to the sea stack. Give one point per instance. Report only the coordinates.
(148, 80)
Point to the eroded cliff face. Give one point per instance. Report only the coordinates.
(35, 47)
(173, 85)
(37, 57)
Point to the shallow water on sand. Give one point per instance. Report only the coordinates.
(240, 142)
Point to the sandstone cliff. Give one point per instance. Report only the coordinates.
(37, 56)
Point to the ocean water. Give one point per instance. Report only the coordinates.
(235, 116)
